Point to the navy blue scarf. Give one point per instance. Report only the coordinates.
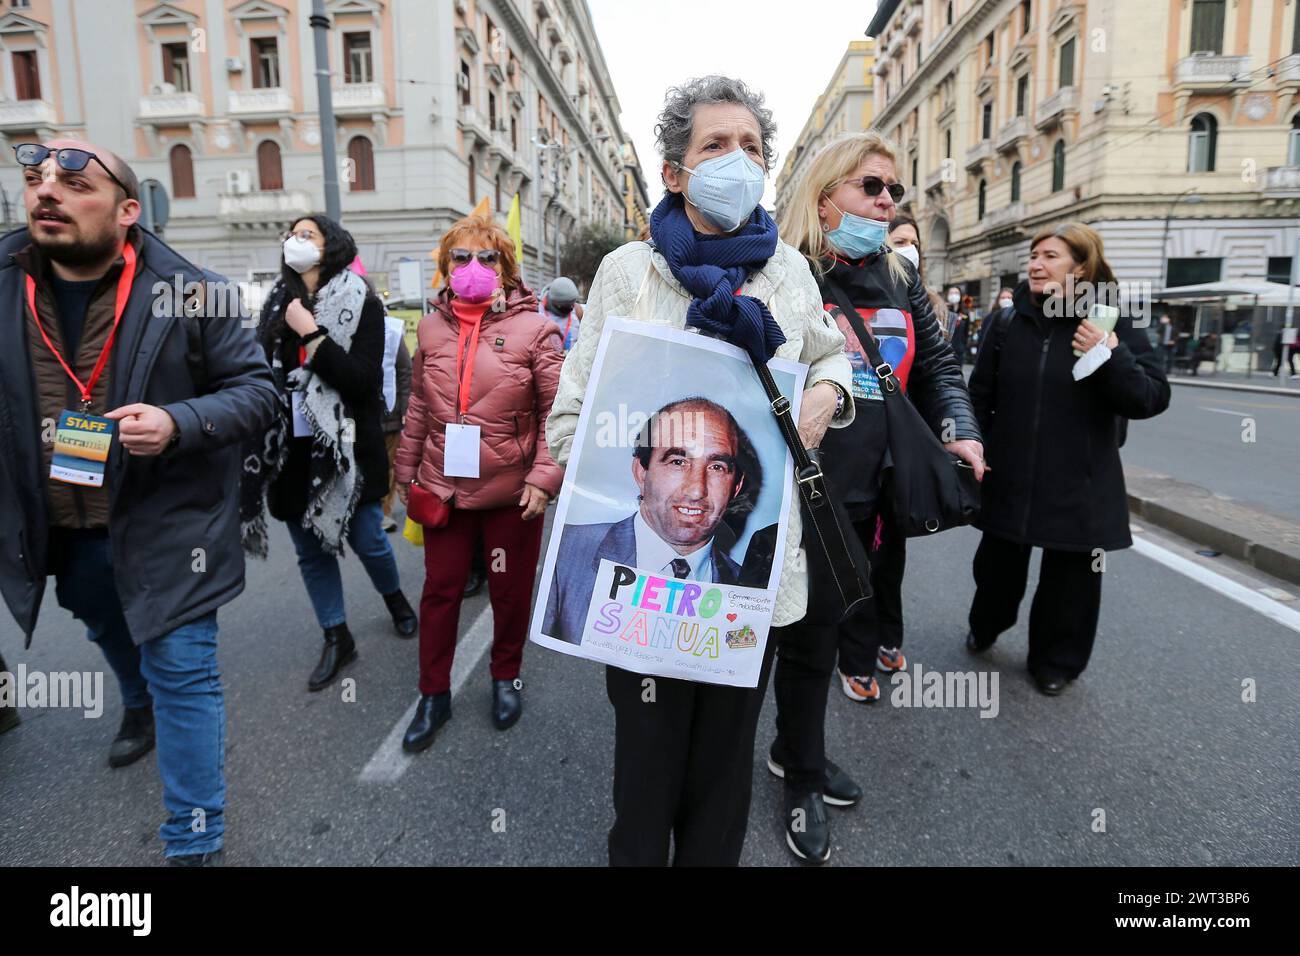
(712, 268)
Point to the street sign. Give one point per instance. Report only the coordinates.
(155, 208)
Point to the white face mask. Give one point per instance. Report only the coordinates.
(300, 254)
(909, 253)
(954, 299)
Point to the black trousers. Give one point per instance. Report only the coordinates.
(804, 664)
(880, 623)
(683, 767)
(1063, 617)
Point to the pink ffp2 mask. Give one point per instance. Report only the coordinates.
(474, 282)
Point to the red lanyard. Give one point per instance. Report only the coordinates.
(124, 283)
(465, 375)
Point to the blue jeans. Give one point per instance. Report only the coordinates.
(320, 571)
(179, 672)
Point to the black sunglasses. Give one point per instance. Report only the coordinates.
(68, 157)
(488, 257)
(872, 185)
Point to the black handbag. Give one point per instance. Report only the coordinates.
(929, 488)
(838, 573)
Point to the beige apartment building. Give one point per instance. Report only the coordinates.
(1171, 126)
(438, 103)
(846, 105)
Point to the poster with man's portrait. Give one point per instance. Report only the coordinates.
(670, 528)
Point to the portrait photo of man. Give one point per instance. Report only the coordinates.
(697, 477)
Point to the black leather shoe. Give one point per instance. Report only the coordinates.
(134, 738)
(211, 858)
(474, 583)
(404, 619)
(339, 649)
(507, 705)
(839, 789)
(807, 831)
(431, 712)
(1050, 684)
(974, 646)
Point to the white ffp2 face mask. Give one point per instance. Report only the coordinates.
(726, 189)
(909, 253)
(300, 254)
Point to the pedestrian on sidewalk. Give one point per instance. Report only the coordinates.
(959, 322)
(474, 448)
(142, 540)
(1055, 481)
(321, 467)
(683, 765)
(1277, 356)
(397, 395)
(839, 219)
(562, 307)
(1167, 343)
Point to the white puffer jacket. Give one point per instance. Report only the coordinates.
(788, 288)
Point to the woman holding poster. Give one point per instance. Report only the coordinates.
(839, 218)
(683, 749)
(472, 462)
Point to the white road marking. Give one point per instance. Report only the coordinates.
(1223, 411)
(389, 762)
(1217, 582)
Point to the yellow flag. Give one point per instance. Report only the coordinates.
(512, 227)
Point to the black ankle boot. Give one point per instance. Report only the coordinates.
(507, 705)
(432, 711)
(135, 737)
(404, 619)
(339, 649)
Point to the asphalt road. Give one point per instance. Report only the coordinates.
(1201, 439)
(1155, 734)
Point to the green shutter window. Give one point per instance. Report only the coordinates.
(1207, 26)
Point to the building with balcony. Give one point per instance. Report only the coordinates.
(437, 106)
(845, 105)
(1015, 114)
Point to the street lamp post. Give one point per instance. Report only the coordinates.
(1284, 360)
(320, 24)
(1191, 196)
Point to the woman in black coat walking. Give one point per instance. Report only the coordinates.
(1052, 442)
(322, 467)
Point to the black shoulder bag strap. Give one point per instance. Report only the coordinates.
(838, 571)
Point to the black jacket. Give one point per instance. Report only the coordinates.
(168, 512)
(357, 374)
(854, 456)
(1052, 444)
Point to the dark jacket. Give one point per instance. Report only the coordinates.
(582, 546)
(357, 374)
(166, 513)
(854, 456)
(1052, 444)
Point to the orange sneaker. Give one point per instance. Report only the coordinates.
(890, 659)
(861, 689)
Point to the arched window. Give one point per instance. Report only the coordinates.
(270, 175)
(182, 164)
(1201, 144)
(983, 198)
(1015, 181)
(362, 157)
(1293, 141)
(1058, 166)
(473, 182)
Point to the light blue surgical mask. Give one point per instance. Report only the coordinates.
(726, 189)
(855, 236)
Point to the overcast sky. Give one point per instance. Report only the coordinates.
(787, 50)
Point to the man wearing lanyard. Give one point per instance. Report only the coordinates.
(122, 405)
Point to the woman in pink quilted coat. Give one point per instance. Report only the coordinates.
(475, 436)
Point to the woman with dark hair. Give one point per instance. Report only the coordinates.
(1052, 389)
(322, 468)
(905, 239)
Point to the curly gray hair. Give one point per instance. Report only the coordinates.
(676, 121)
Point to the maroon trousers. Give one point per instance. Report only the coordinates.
(510, 549)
